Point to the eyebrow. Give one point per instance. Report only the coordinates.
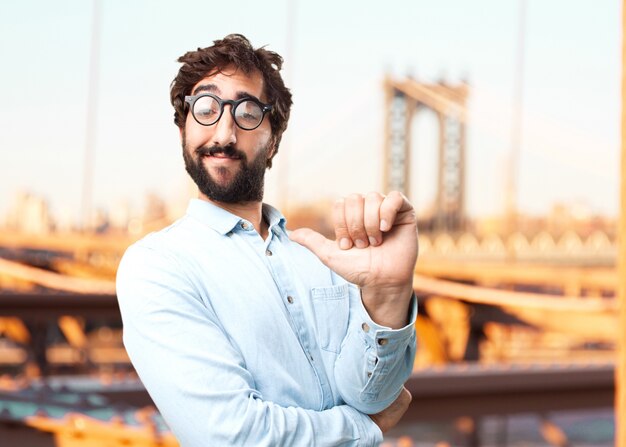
(212, 88)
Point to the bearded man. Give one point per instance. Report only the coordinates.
(244, 333)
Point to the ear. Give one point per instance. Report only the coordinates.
(272, 150)
(270, 153)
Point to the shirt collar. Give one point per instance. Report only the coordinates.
(275, 219)
(223, 221)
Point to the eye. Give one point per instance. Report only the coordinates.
(206, 109)
(249, 113)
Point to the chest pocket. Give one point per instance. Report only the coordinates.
(332, 307)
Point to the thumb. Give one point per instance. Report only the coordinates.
(318, 244)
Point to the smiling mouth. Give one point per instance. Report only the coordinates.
(222, 155)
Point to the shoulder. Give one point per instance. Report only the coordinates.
(168, 242)
(160, 251)
(155, 267)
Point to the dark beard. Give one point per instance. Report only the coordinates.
(245, 186)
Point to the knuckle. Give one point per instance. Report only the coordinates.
(354, 229)
(371, 222)
(357, 233)
(372, 226)
(341, 232)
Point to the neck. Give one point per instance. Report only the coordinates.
(251, 211)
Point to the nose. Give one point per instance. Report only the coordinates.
(225, 130)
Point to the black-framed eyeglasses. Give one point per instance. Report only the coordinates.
(207, 109)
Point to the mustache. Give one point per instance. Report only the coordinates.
(229, 151)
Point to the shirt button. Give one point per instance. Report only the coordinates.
(268, 252)
(369, 374)
(244, 225)
(382, 341)
(365, 327)
(290, 299)
(311, 357)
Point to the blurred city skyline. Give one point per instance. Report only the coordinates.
(335, 61)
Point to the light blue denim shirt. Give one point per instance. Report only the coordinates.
(245, 341)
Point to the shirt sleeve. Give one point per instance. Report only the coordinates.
(374, 361)
(198, 379)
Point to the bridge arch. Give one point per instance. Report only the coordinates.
(403, 99)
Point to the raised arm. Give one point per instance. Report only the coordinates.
(376, 250)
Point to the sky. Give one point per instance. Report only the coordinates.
(336, 56)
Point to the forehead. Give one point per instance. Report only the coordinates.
(231, 83)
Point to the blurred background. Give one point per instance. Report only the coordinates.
(499, 120)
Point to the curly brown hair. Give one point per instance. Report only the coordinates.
(234, 50)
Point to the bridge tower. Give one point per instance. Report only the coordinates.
(404, 98)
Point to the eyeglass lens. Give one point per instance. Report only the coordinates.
(248, 114)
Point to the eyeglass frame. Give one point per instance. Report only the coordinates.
(234, 103)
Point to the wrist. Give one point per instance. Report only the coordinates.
(388, 306)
